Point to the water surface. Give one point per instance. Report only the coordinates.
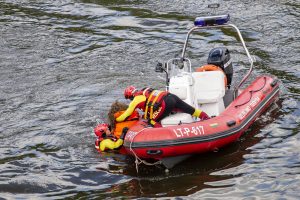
(63, 63)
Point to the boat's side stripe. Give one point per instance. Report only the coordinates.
(207, 138)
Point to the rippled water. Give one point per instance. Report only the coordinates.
(64, 62)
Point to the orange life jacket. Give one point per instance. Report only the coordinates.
(129, 122)
(207, 68)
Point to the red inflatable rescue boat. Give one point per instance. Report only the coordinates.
(232, 109)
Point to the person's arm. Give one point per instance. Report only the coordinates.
(109, 144)
(132, 106)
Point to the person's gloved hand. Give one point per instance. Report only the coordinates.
(124, 131)
(203, 116)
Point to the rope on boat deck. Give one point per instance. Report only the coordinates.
(138, 160)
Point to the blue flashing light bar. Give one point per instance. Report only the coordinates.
(212, 20)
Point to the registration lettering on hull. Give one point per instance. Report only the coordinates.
(189, 131)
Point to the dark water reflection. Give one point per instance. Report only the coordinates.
(63, 63)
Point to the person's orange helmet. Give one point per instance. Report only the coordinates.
(129, 91)
(100, 129)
